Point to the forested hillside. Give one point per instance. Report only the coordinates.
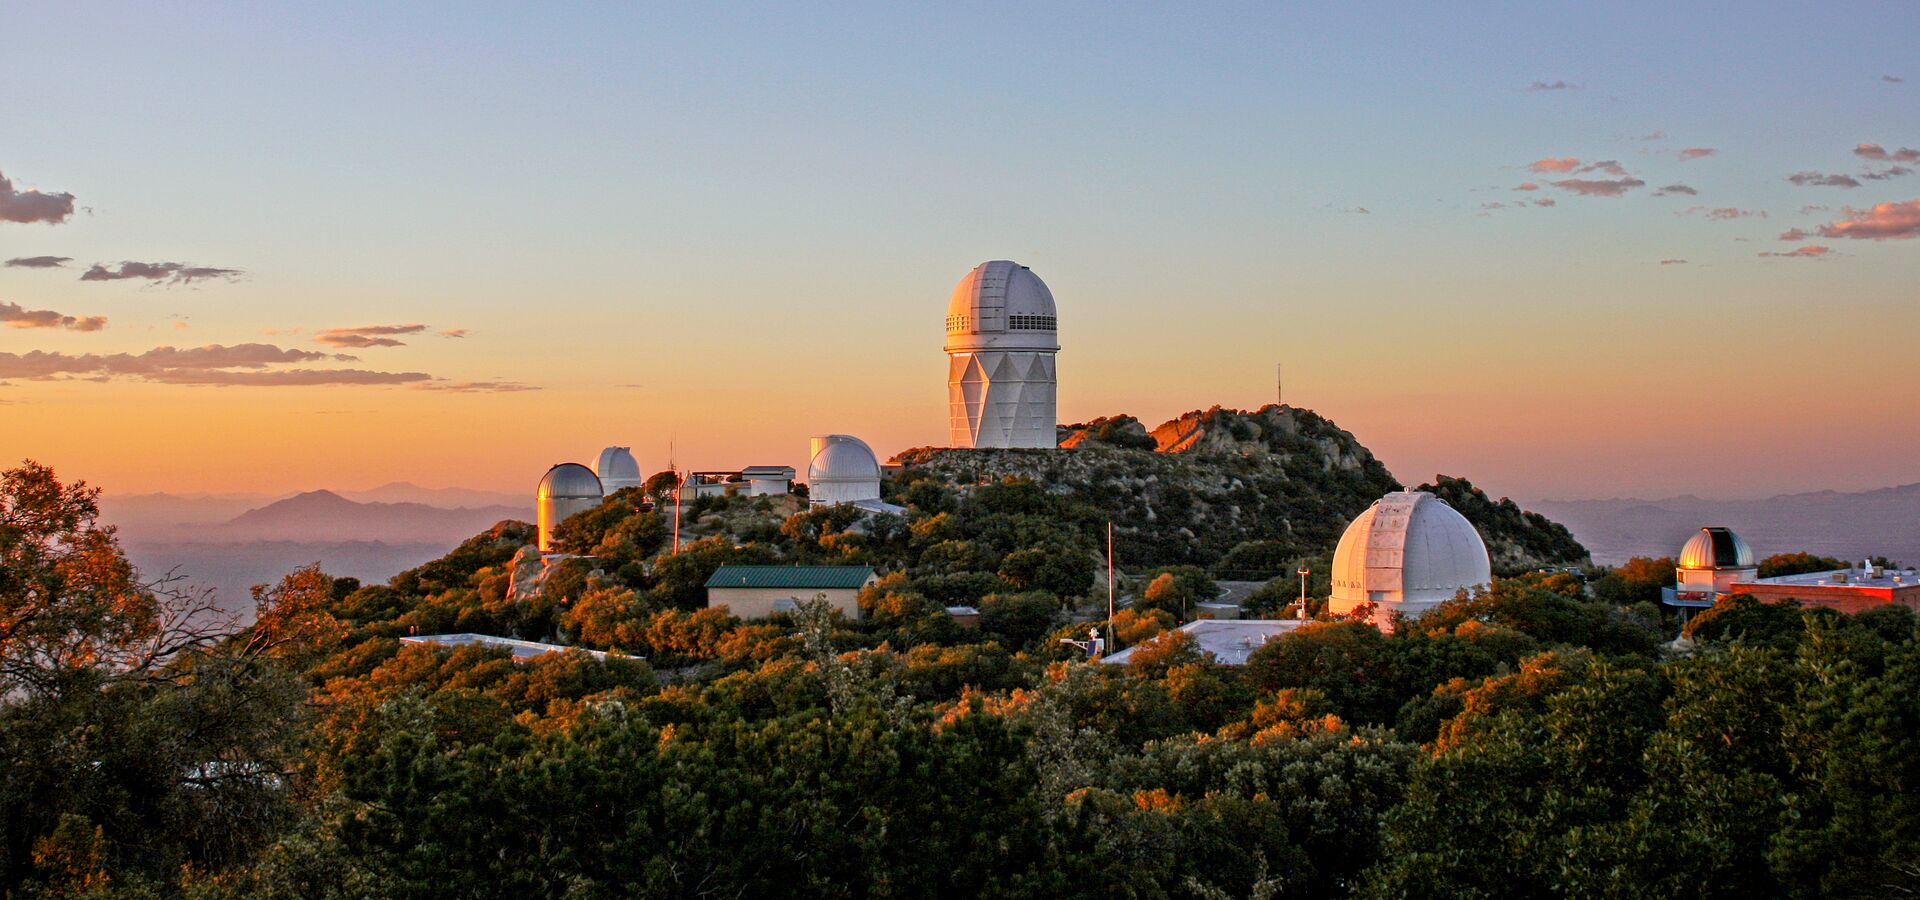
(1529, 741)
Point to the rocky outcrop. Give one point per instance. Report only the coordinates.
(1241, 492)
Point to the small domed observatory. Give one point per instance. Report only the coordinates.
(1002, 336)
(566, 489)
(617, 469)
(1408, 553)
(842, 469)
(1710, 562)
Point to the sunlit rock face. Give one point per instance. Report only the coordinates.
(1002, 336)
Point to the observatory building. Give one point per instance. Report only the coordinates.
(1002, 335)
(842, 469)
(617, 469)
(1407, 553)
(1710, 563)
(566, 489)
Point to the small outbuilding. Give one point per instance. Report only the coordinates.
(755, 592)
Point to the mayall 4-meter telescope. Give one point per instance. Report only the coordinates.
(1002, 335)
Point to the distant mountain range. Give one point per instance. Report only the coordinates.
(231, 542)
(1884, 522)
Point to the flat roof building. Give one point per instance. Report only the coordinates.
(522, 650)
(756, 592)
(1845, 590)
(1230, 641)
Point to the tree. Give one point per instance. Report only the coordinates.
(1799, 563)
(134, 740)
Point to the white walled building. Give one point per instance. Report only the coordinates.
(1408, 553)
(841, 468)
(1002, 336)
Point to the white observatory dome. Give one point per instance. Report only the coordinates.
(1408, 553)
(1716, 548)
(617, 469)
(842, 469)
(566, 489)
(1002, 304)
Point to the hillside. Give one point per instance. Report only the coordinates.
(1243, 493)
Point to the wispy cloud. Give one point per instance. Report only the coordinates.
(1608, 166)
(1815, 179)
(462, 332)
(1673, 262)
(476, 387)
(1527, 186)
(1881, 222)
(367, 335)
(1886, 173)
(1543, 201)
(167, 272)
(1589, 187)
(1696, 153)
(213, 364)
(1879, 154)
(1892, 79)
(1794, 234)
(1810, 251)
(1674, 189)
(17, 317)
(285, 377)
(38, 262)
(1561, 165)
(1552, 86)
(33, 206)
(1721, 212)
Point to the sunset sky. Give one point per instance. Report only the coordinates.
(1617, 250)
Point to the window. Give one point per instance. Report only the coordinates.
(1031, 323)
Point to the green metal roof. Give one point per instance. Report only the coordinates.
(815, 577)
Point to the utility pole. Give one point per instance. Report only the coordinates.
(679, 486)
(1303, 593)
(1279, 384)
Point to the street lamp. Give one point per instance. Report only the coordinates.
(1303, 593)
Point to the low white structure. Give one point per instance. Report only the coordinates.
(566, 489)
(768, 481)
(841, 468)
(1710, 563)
(1002, 337)
(617, 469)
(1230, 641)
(522, 650)
(1408, 553)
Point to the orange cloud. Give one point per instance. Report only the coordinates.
(1881, 222)
(1528, 186)
(1563, 164)
(213, 364)
(1673, 262)
(16, 317)
(367, 336)
(1810, 251)
(1877, 152)
(1695, 153)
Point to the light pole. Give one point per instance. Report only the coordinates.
(1109, 583)
(1303, 593)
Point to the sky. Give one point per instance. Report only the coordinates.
(1563, 250)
